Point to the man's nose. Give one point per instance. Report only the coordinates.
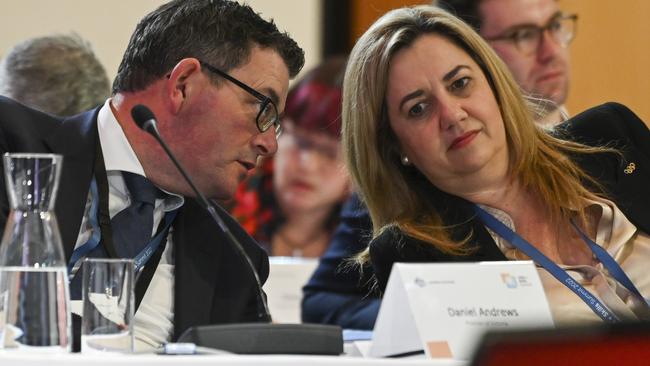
(266, 143)
(548, 46)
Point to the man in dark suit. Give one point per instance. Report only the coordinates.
(215, 74)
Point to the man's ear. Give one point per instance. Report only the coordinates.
(180, 83)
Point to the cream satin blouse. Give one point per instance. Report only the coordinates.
(627, 245)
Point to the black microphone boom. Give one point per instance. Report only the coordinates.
(146, 120)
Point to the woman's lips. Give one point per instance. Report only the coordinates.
(300, 185)
(463, 140)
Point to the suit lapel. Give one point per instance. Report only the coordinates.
(456, 210)
(629, 190)
(76, 141)
(196, 269)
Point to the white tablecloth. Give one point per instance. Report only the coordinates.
(10, 359)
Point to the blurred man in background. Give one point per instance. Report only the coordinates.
(57, 74)
(532, 37)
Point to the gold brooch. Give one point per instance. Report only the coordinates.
(630, 168)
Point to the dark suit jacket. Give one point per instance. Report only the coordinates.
(610, 124)
(212, 282)
(336, 293)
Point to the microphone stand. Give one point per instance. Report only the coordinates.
(262, 307)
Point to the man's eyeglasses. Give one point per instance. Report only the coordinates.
(562, 29)
(268, 114)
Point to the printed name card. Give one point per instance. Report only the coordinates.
(445, 308)
(287, 276)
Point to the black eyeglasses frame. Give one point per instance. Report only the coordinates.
(511, 35)
(264, 100)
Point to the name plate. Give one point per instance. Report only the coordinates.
(287, 276)
(444, 309)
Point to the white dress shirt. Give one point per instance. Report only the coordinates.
(153, 321)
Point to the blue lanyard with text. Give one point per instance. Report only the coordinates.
(92, 243)
(555, 270)
(141, 259)
(612, 266)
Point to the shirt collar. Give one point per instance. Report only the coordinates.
(119, 155)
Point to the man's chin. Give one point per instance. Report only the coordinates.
(218, 194)
(555, 93)
(221, 197)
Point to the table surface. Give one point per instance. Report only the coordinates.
(7, 359)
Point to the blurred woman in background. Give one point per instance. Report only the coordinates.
(292, 202)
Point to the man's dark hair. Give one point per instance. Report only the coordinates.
(466, 10)
(220, 32)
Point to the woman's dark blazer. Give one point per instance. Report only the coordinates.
(609, 124)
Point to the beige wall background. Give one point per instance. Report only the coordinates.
(109, 24)
(611, 54)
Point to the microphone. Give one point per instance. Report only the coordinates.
(266, 338)
(146, 120)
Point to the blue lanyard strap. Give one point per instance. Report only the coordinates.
(610, 263)
(539, 258)
(93, 241)
(140, 260)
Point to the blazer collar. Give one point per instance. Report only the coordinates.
(76, 140)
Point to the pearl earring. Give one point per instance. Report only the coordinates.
(405, 160)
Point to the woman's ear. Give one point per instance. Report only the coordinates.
(181, 82)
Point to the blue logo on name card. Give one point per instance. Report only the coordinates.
(509, 280)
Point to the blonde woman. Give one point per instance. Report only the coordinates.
(444, 150)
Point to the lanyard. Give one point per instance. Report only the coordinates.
(93, 242)
(555, 270)
(141, 259)
(610, 263)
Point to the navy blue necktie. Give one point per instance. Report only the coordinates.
(132, 227)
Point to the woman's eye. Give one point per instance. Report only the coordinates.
(459, 84)
(416, 110)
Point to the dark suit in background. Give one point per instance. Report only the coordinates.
(337, 293)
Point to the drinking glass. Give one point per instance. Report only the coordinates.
(108, 301)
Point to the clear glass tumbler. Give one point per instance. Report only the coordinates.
(108, 302)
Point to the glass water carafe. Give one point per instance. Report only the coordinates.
(34, 297)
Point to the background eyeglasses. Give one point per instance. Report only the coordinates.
(320, 143)
(268, 114)
(562, 29)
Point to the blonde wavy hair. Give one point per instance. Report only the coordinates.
(538, 160)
